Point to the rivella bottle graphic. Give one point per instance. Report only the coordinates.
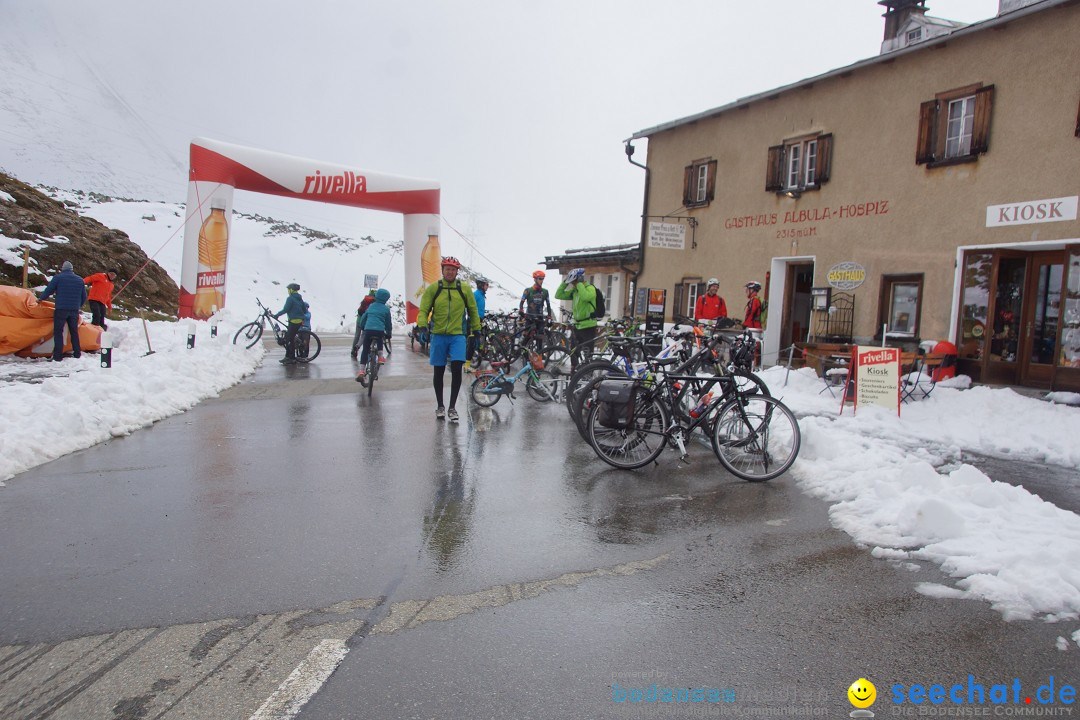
(431, 259)
(213, 247)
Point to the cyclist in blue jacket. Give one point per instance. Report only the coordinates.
(376, 325)
(295, 307)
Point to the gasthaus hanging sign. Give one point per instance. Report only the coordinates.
(877, 377)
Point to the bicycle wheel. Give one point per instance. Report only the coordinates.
(584, 402)
(581, 377)
(372, 370)
(248, 334)
(747, 383)
(556, 360)
(309, 349)
(640, 442)
(542, 386)
(476, 392)
(756, 438)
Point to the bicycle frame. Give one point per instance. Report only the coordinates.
(497, 384)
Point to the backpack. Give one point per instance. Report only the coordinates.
(601, 309)
(460, 292)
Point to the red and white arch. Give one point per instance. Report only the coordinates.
(218, 168)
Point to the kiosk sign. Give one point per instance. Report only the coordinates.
(877, 377)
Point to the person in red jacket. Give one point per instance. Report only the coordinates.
(101, 287)
(753, 306)
(710, 306)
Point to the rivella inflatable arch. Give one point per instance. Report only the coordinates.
(218, 168)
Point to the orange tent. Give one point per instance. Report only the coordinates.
(26, 326)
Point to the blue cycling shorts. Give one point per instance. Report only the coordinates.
(443, 346)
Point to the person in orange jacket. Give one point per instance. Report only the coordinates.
(101, 287)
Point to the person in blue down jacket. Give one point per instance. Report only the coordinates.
(295, 307)
(376, 325)
(70, 293)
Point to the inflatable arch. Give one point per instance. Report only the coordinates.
(218, 168)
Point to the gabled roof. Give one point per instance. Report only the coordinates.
(885, 57)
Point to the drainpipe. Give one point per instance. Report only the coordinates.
(644, 219)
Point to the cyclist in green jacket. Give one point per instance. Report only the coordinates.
(583, 296)
(447, 301)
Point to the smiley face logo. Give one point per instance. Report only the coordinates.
(862, 693)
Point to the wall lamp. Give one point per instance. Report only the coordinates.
(793, 194)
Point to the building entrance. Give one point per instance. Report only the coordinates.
(1020, 318)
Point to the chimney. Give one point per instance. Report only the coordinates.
(897, 13)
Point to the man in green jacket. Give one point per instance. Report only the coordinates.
(583, 295)
(446, 302)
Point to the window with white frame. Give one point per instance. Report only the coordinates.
(954, 127)
(699, 183)
(958, 129)
(914, 36)
(799, 164)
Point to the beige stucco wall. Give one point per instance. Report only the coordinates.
(873, 113)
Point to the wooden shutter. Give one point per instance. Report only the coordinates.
(710, 182)
(688, 187)
(677, 302)
(980, 130)
(924, 148)
(1077, 133)
(774, 171)
(824, 159)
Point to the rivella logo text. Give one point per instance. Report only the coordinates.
(212, 279)
(347, 182)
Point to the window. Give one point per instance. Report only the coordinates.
(799, 164)
(955, 126)
(900, 305)
(699, 183)
(686, 295)
(914, 36)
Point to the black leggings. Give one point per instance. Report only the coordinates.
(455, 381)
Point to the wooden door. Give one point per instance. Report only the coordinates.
(1039, 335)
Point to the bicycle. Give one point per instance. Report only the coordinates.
(754, 436)
(371, 373)
(251, 333)
(541, 385)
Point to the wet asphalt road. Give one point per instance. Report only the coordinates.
(490, 569)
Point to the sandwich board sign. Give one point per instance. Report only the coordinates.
(877, 378)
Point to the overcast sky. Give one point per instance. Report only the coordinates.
(518, 109)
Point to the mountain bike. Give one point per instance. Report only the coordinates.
(308, 345)
(541, 385)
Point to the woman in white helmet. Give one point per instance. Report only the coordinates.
(710, 306)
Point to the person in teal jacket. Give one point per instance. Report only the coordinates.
(447, 302)
(295, 307)
(583, 296)
(375, 325)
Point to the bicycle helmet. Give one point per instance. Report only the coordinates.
(481, 280)
(293, 286)
(539, 275)
(451, 261)
(575, 275)
(753, 285)
(712, 281)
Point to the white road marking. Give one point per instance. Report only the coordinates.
(304, 682)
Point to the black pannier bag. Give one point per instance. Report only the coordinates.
(616, 399)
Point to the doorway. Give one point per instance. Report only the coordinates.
(797, 304)
(1013, 318)
(1042, 312)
